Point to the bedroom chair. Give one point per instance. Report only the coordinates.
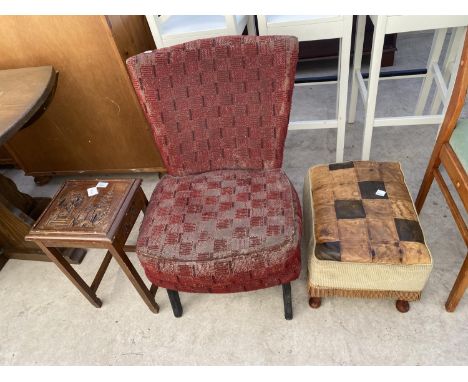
(226, 218)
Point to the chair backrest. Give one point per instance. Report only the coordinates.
(220, 103)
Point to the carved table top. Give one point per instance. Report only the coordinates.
(75, 215)
(22, 94)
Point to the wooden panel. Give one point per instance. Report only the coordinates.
(95, 122)
(131, 35)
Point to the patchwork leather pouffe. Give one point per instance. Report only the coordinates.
(363, 234)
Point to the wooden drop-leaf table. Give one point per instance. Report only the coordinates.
(75, 220)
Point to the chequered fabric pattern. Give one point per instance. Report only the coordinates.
(354, 224)
(219, 103)
(222, 231)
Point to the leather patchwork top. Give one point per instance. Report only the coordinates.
(364, 213)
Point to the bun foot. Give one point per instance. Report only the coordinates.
(402, 306)
(315, 302)
(42, 180)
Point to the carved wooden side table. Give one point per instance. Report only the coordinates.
(74, 219)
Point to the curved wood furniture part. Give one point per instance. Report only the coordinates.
(445, 154)
(24, 95)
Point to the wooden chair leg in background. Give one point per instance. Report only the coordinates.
(424, 189)
(459, 287)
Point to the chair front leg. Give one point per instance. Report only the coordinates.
(288, 312)
(175, 302)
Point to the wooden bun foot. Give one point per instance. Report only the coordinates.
(315, 302)
(42, 180)
(402, 306)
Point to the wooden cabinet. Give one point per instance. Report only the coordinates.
(95, 123)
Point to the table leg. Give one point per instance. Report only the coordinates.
(128, 268)
(56, 256)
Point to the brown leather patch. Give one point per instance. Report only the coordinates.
(348, 191)
(328, 251)
(415, 253)
(367, 171)
(353, 230)
(355, 252)
(369, 189)
(403, 209)
(397, 191)
(386, 253)
(382, 231)
(377, 209)
(340, 166)
(326, 231)
(344, 176)
(409, 230)
(349, 209)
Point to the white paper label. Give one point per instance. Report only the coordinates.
(102, 184)
(380, 193)
(92, 191)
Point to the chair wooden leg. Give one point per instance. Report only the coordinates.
(424, 189)
(175, 302)
(461, 283)
(288, 312)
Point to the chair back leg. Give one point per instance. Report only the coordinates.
(175, 302)
(288, 312)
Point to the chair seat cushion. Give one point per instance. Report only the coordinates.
(222, 231)
(362, 229)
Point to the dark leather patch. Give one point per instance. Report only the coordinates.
(369, 188)
(349, 209)
(409, 230)
(340, 166)
(328, 251)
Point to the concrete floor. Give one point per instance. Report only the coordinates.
(45, 320)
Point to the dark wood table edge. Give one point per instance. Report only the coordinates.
(36, 110)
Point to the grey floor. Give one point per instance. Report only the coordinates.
(44, 320)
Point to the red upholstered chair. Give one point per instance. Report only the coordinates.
(226, 218)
